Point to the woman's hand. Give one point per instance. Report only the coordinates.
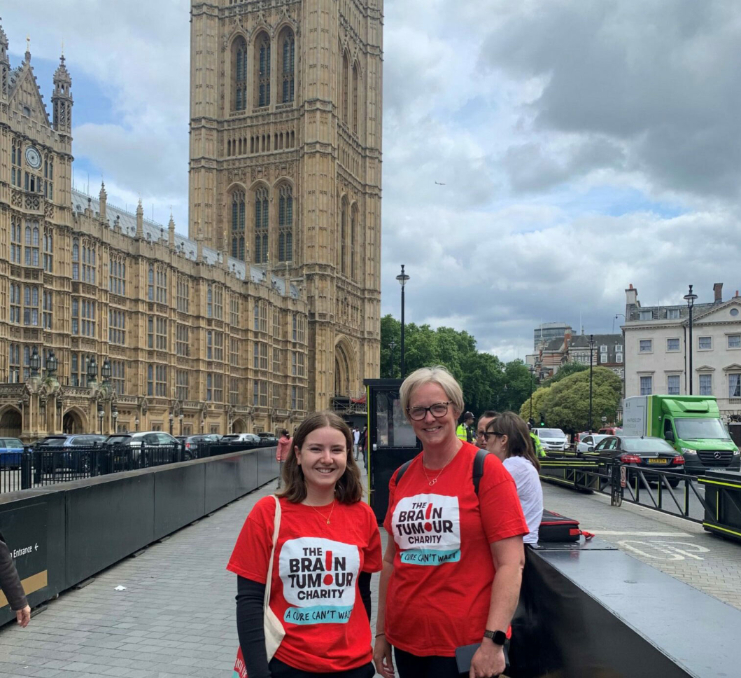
(382, 657)
(488, 660)
(23, 616)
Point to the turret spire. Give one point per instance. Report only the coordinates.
(62, 98)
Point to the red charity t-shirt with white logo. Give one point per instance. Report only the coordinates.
(440, 589)
(315, 579)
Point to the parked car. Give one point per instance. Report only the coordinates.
(644, 452)
(192, 443)
(71, 440)
(268, 439)
(147, 439)
(588, 441)
(240, 438)
(11, 450)
(551, 438)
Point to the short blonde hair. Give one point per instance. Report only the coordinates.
(435, 375)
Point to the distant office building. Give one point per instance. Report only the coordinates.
(547, 332)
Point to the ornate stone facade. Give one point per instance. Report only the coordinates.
(285, 168)
(195, 341)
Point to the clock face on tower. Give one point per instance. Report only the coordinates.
(33, 157)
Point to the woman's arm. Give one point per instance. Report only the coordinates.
(382, 648)
(364, 586)
(250, 620)
(509, 560)
(10, 583)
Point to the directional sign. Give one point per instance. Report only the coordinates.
(24, 531)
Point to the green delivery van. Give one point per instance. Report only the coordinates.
(691, 424)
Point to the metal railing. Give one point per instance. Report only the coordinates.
(43, 466)
(674, 492)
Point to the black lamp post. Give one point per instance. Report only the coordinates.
(171, 418)
(114, 416)
(403, 279)
(101, 414)
(105, 371)
(51, 364)
(35, 362)
(92, 371)
(532, 376)
(392, 346)
(591, 349)
(690, 299)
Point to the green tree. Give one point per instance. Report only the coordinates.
(566, 403)
(537, 408)
(486, 381)
(566, 371)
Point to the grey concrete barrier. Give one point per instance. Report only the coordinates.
(63, 534)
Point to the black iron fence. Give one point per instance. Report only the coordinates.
(42, 466)
(678, 494)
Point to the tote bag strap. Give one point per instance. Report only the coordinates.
(276, 529)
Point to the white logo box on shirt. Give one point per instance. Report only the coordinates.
(427, 529)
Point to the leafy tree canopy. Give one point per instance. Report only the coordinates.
(487, 382)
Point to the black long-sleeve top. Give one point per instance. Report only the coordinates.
(9, 580)
(250, 599)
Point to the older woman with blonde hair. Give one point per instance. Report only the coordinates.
(453, 564)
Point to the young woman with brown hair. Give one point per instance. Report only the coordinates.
(507, 436)
(328, 545)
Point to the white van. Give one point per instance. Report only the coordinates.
(552, 438)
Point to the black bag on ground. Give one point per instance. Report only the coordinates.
(555, 527)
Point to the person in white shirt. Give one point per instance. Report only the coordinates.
(356, 440)
(507, 437)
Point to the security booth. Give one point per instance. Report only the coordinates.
(391, 440)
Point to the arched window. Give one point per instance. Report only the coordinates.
(288, 69)
(262, 70)
(75, 259)
(285, 224)
(344, 86)
(239, 68)
(353, 241)
(261, 225)
(355, 85)
(238, 223)
(150, 285)
(343, 237)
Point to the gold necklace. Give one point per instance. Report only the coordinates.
(327, 518)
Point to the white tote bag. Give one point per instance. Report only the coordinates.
(274, 631)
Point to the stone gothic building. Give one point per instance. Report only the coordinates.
(270, 309)
(285, 163)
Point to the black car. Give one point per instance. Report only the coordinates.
(71, 451)
(644, 452)
(191, 444)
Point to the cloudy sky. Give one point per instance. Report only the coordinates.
(583, 146)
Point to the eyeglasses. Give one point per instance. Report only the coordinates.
(487, 434)
(437, 410)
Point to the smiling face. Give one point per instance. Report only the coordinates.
(433, 431)
(322, 458)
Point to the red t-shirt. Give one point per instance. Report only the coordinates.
(440, 590)
(315, 579)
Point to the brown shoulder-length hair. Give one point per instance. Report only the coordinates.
(519, 442)
(348, 489)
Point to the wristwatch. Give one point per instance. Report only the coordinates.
(496, 637)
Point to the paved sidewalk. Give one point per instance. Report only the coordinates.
(676, 546)
(175, 618)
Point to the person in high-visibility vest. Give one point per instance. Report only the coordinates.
(539, 451)
(465, 430)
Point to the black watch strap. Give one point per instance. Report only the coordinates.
(496, 637)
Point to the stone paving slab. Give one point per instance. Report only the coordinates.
(676, 546)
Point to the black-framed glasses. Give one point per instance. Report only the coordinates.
(437, 410)
(487, 434)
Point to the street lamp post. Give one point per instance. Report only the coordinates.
(392, 346)
(35, 362)
(114, 416)
(690, 299)
(101, 414)
(136, 424)
(532, 375)
(92, 371)
(105, 372)
(403, 279)
(591, 349)
(171, 417)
